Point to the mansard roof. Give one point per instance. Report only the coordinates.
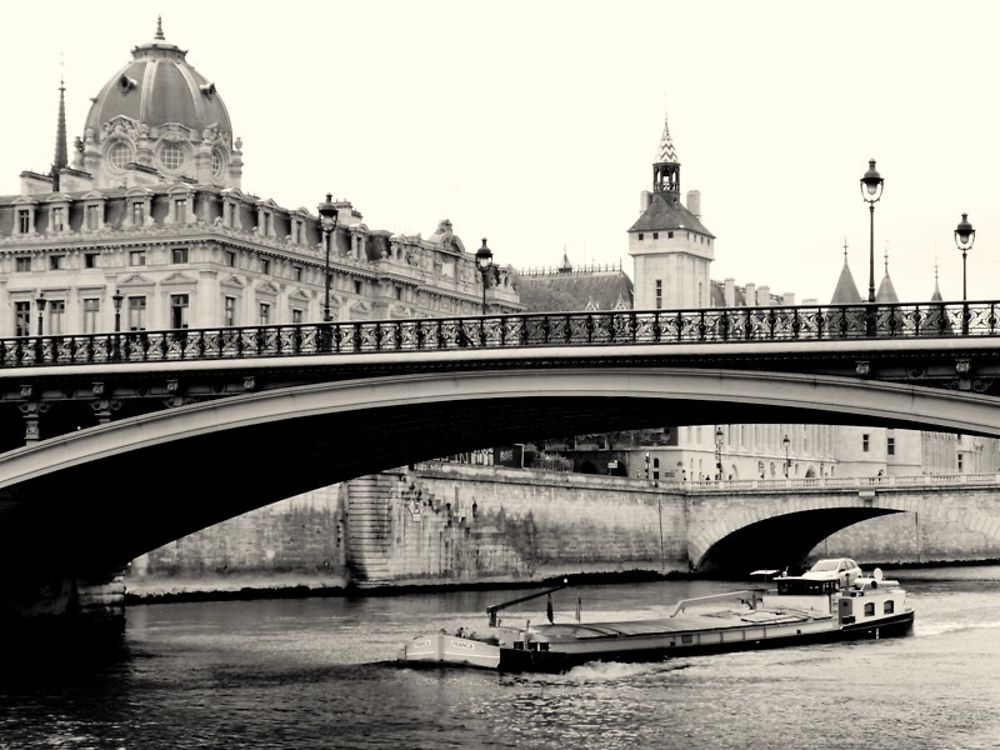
(665, 213)
(578, 290)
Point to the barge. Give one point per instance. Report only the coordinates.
(812, 608)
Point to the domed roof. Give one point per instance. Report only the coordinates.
(159, 87)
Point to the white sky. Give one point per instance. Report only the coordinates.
(535, 123)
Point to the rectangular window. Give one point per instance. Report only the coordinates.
(138, 214)
(91, 314)
(229, 312)
(178, 311)
(90, 260)
(890, 446)
(180, 211)
(659, 294)
(297, 316)
(58, 218)
(22, 318)
(137, 258)
(93, 216)
(399, 292)
(56, 316)
(656, 235)
(265, 314)
(961, 462)
(864, 443)
(265, 265)
(641, 236)
(179, 255)
(22, 263)
(24, 220)
(359, 287)
(137, 313)
(297, 270)
(230, 258)
(55, 262)
(670, 235)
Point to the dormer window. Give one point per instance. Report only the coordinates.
(93, 216)
(58, 218)
(172, 156)
(180, 210)
(23, 220)
(138, 214)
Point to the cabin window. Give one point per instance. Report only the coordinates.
(889, 607)
(870, 609)
(687, 638)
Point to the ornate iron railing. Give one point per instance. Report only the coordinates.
(802, 323)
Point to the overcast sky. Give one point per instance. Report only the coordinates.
(535, 123)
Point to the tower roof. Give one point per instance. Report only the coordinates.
(666, 152)
(846, 292)
(664, 213)
(886, 292)
(61, 160)
(159, 87)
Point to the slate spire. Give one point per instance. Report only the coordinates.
(61, 159)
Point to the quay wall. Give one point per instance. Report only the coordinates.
(448, 523)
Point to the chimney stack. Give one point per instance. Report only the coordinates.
(694, 202)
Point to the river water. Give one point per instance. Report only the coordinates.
(318, 673)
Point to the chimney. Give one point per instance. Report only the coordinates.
(810, 301)
(645, 198)
(763, 296)
(750, 294)
(788, 298)
(694, 202)
(729, 292)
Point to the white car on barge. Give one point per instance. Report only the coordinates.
(799, 610)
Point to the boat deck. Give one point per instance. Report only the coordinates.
(675, 624)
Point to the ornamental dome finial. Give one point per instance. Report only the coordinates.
(159, 29)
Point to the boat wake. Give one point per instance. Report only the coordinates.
(943, 628)
(599, 672)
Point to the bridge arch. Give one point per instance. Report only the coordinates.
(112, 492)
(776, 531)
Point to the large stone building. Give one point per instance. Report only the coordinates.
(150, 215)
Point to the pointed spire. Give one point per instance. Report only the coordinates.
(936, 297)
(566, 266)
(846, 292)
(61, 159)
(666, 151)
(886, 291)
(159, 29)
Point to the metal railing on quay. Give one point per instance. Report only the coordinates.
(802, 323)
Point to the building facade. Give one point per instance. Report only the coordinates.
(148, 228)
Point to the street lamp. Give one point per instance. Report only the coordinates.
(871, 190)
(117, 298)
(965, 235)
(718, 452)
(328, 223)
(786, 442)
(484, 262)
(40, 302)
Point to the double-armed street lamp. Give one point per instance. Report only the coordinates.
(328, 216)
(786, 442)
(965, 236)
(487, 269)
(871, 190)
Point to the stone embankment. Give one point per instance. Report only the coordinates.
(447, 524)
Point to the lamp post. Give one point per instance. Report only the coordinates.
(117, 298)
(871, 190)
(328, 223)
(786, 442)
(484, 262)
(718, 452)
(965, 236)
(40, 303)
